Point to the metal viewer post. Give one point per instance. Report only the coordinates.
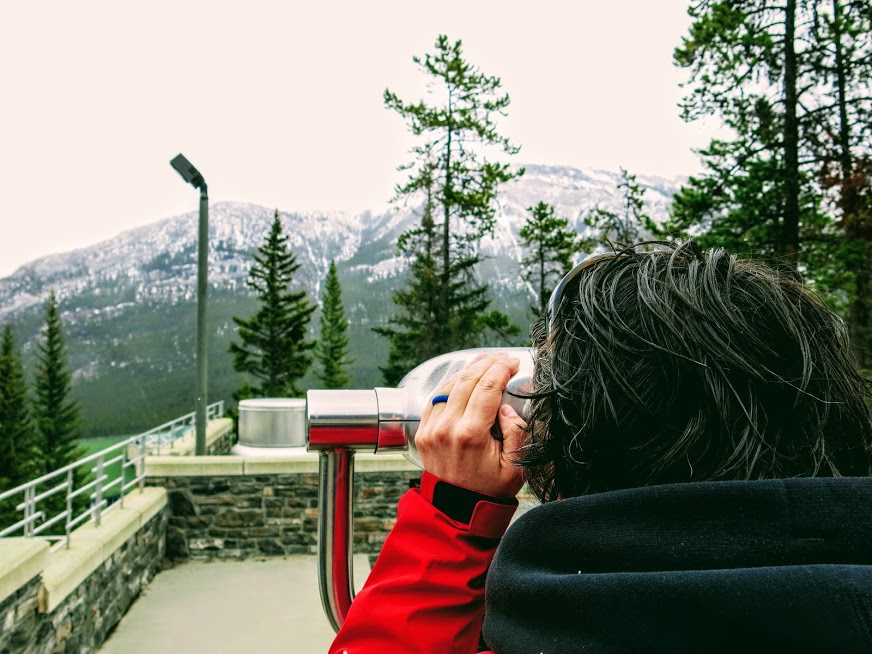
(340, 423)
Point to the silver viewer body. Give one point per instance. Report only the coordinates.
(386, 419)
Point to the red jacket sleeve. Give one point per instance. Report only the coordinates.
(425, 593)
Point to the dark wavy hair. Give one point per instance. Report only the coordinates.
(668, 364)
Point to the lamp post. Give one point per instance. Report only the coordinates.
(193, 177)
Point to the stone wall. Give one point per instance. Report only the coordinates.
(82, 618)
(19, 619)
(225, 439)
(263, 515)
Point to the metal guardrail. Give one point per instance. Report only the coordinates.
(36, 521)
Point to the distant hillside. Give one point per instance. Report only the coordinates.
(128, 304)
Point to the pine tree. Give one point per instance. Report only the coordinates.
(840, 128)
(790, 80)
(444, 307)
(631, 225)
(56, 413)
(744, 67)
(331, 350)
(553, 247)
(739, 212)
(415, 333)
(273, 348)
(19, 454)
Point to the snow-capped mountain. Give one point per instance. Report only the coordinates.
(127, 303)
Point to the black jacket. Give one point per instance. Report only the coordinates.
(761, 566)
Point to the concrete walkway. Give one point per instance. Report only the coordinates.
(256, 607)
(223, 607)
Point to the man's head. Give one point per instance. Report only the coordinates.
(674, 365)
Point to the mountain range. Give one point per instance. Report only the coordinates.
(128, 305)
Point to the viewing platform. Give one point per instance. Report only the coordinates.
(201, 554)
(215, 547)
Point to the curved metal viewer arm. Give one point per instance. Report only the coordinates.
(338, 424)
(335, 491)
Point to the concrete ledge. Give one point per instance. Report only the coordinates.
(90, 546)
(218, 466)
(148, 503)
(21, 559)
(193, 466)
(383, 463)
(280, 465)
(66, 569)
(187, 444)
(120, 524)
(116, 528)
(309, 463)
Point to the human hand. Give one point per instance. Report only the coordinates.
(454, 437)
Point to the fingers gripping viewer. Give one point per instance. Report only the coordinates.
(455, 441)
(699, 436)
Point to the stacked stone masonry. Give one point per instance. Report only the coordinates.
(241, 517)
(223, 443)
(20, 618)
(84, 619)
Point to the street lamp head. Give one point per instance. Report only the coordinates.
(190, 174)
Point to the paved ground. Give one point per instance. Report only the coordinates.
(256, 607)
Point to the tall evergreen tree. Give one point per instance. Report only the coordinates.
(414, 333)
(630, 225)
(790, 78)
(840, 129)
(743, 66)
(553, 246)
(56, 413)
(331, 349)
(273, 348)
(457, 186)
(19, 452)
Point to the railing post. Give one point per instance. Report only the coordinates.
(123, 475)
(142, 454)
(98, 493)
(69, 519)
(29, 510)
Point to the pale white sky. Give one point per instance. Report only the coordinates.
(279, 103)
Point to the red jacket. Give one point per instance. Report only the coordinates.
(425, 593)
